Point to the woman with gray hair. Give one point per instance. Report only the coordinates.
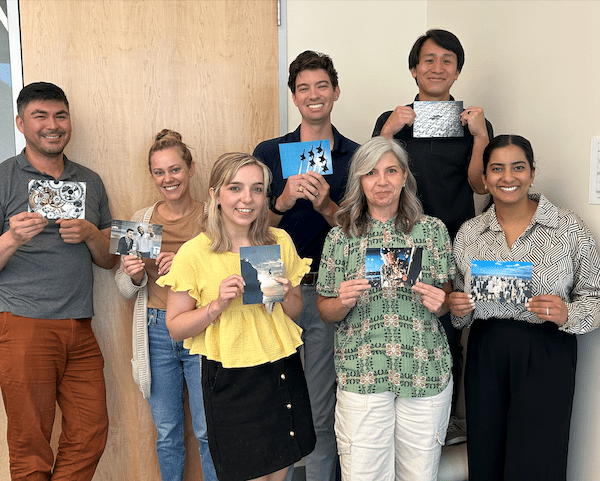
(392, 359)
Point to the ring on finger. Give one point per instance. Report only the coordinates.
(300, 189)
(547, 311)
(317, 194)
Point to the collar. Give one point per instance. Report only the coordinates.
(25, 165)
(546, 215)
(391, 222)
(340, 143)
(417, 98)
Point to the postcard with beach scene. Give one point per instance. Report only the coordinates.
(500, 281)
(438, 119)
(260, 266)
(300, 157)
(57, 199)
(393, 267)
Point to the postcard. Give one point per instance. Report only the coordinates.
(135, 238)
(500, 281)
(438, 119)
(300, 157)
(393, 267)
(57, 199)
(260, 266)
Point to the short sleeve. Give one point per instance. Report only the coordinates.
(295, 266)
(442, 268)
(183, 276)
(105, 217)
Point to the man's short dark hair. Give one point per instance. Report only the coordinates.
(310, 60)
(128, 230)
(39, 91)
(441, 38)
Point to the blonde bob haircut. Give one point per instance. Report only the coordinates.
(352, 215)
(211, 222)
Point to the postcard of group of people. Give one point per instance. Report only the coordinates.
(135, 238)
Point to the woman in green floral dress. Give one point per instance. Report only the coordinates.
(392, 358)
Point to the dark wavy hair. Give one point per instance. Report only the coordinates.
(310, 60)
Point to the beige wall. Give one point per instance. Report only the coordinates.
(532, 65)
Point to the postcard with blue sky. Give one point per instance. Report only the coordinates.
(501, 281)
(260, 265)
(393, 267)
(300, 157)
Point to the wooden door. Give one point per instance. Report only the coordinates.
(207, 69)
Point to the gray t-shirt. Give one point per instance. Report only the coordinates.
(48, 278)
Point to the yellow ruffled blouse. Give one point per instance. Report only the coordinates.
(243, 335)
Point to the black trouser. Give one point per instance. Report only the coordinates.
(519, 385)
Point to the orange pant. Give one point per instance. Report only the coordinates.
(44, 362)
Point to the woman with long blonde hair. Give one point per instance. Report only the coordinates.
(255, 395)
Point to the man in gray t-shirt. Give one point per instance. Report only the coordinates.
(48, 352)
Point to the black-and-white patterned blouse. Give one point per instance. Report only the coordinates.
(565, 262)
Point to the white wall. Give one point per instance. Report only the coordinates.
(367, 41)
(532, 65)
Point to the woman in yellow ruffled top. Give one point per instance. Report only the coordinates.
(255, 396)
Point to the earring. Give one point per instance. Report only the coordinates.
(485, 187)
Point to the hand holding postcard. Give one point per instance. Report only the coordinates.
(500, 281)
(260, 265)
(393, 267)
(135, 238)
(301, 157)
(57, 199)
(438, 119)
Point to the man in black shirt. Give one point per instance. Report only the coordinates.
(448, 170)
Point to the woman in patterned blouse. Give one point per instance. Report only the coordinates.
(392, 359)
(520, 372)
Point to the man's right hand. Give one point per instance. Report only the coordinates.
(291, 193)
(24, 226)
(401, 116)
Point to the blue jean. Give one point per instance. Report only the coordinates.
(170, 364)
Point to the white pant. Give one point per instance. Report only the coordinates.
(381, 437)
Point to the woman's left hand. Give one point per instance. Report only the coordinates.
(549, 307)
(433, 298)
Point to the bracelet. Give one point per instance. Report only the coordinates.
(212, 322)
(272, 207)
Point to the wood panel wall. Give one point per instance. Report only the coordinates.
(207, 69)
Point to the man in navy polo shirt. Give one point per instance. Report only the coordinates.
(304, 205)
